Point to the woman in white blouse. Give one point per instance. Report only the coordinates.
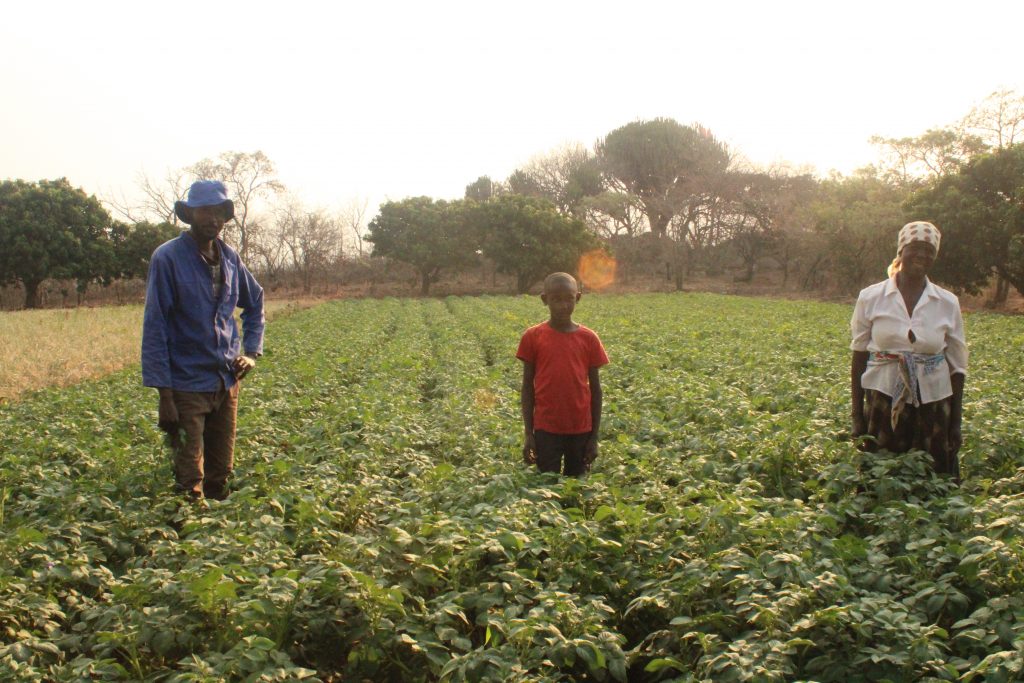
(909, 357)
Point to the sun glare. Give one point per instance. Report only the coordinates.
(597, 269)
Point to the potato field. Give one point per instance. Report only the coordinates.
(382, 527)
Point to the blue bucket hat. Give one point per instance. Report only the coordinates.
(205, 193)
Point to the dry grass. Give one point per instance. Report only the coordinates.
(39, 349)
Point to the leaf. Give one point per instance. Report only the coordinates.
(26, 535)
(617, 668)
(512, 540)
(593, 656)
(443, 470)
(406, 639)
(656, 665)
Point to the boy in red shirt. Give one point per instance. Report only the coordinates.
(561, 396)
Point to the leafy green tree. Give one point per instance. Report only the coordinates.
(980, 212)
(858, 218)
(662, 163)
(49, 229)
(528, 237)
(764, 205)
(134, 246)
(428, 234)
(482, 189)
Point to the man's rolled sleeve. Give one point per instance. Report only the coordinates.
(156, 358)
(250, 300)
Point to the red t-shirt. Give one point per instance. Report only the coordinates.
(561, 386)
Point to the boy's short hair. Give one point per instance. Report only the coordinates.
(551, 279)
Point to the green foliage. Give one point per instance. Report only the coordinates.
(980, 212)
(859, 218)
(381, 526)
(481, 189)
(528, 238)
(662, 163)
(49, 229)
(428, 234)
(134, 246)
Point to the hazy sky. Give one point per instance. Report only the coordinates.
(395, 99)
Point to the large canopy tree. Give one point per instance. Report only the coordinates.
(662, 163)
(482, 189)
(980, 212)
(528, 237)
(428, 234)
(857, 218)
(763, 205)
(49, 229)
(134, 246)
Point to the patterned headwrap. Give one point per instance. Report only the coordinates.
(918, 231)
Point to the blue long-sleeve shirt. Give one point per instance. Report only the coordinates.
(190, 338)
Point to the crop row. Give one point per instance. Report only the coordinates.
(381, 526)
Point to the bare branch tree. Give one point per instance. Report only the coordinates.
(999, 119)
(157, 202)
(312, 239)
(565, 176)
(937, 153)
(250, 177)
(271, 257)
(353, 221)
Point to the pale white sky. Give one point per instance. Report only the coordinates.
(394, 99)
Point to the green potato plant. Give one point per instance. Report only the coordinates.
(382, 527)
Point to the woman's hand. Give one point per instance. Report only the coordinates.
(860, 426)
(956, 439)
(858, 364)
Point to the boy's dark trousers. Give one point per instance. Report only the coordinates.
(203, 460)
(551, 448)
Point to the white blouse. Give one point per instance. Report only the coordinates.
(880, 323)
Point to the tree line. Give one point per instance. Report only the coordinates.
(668, 200)
(50, 230)
(672, 200)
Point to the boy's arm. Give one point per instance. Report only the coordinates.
(594, 375)
(526, 405)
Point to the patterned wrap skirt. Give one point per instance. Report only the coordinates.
(924, 427)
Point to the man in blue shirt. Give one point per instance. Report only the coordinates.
(191, 351)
